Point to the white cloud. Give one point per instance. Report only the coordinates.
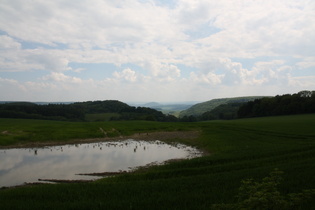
(7, 43)
(306, 63)
(302, 82)
(209, 78)
(260, 28)
(10, 89)
(13, 58)
(162, 71)
(87, 24)
(126, 74)
(152, 44)
(273, 72)
(60, 77)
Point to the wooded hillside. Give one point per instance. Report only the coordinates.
(201, 108)
(77, 111)
(299, 103)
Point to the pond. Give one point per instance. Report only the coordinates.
(67, 162)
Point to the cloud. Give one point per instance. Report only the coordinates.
(162, 71)
(60, 77)
(307, 62)
(302, 82)
(260, 28)
(48, 60)
(16, 59)
(273, 72)
(85, 24)
(126, 74)
(10, 88)
(151, 43)
(7, 43)
(209, 78)
(228, 73)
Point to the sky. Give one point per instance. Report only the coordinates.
(155, 50)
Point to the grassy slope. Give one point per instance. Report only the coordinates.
(240, 149)
(200, 108)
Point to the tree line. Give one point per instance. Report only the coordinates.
(77, 111)
(28, 110)
(302, 102)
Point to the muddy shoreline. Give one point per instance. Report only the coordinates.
(151, 136)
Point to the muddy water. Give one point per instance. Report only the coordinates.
(25, 165)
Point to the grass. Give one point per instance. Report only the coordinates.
(239, 149)
(19, 131)
(101, 117)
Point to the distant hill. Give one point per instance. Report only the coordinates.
(38, 103)
(19, 103)
(227, 111)
(107, 106)
(151, 104)
(169, 108)
(82, 111)
(200, 108)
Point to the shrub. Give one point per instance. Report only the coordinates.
(265, 195)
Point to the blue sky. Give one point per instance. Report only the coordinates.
(155, 50)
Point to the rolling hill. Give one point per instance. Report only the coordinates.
(200, 108)
(82, 111)
(169, 108)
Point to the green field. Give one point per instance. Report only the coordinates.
(238, 150)
(100, 117)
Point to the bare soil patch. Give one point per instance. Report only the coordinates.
(151, 136)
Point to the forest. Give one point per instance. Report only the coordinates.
(302, 102)
(77, 111)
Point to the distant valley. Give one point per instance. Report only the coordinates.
(168, 108)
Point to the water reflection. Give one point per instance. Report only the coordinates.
(18, 166)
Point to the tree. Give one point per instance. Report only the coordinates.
(265, 195)
(299, 103)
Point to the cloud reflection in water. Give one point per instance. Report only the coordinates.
(64, 162)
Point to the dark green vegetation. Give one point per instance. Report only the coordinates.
(81, 111)
(200, 108)
(222, 112)
(238, 150)
(266, 195)
(302, 102)
(29, 110)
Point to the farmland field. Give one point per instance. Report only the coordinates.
(236, 150)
